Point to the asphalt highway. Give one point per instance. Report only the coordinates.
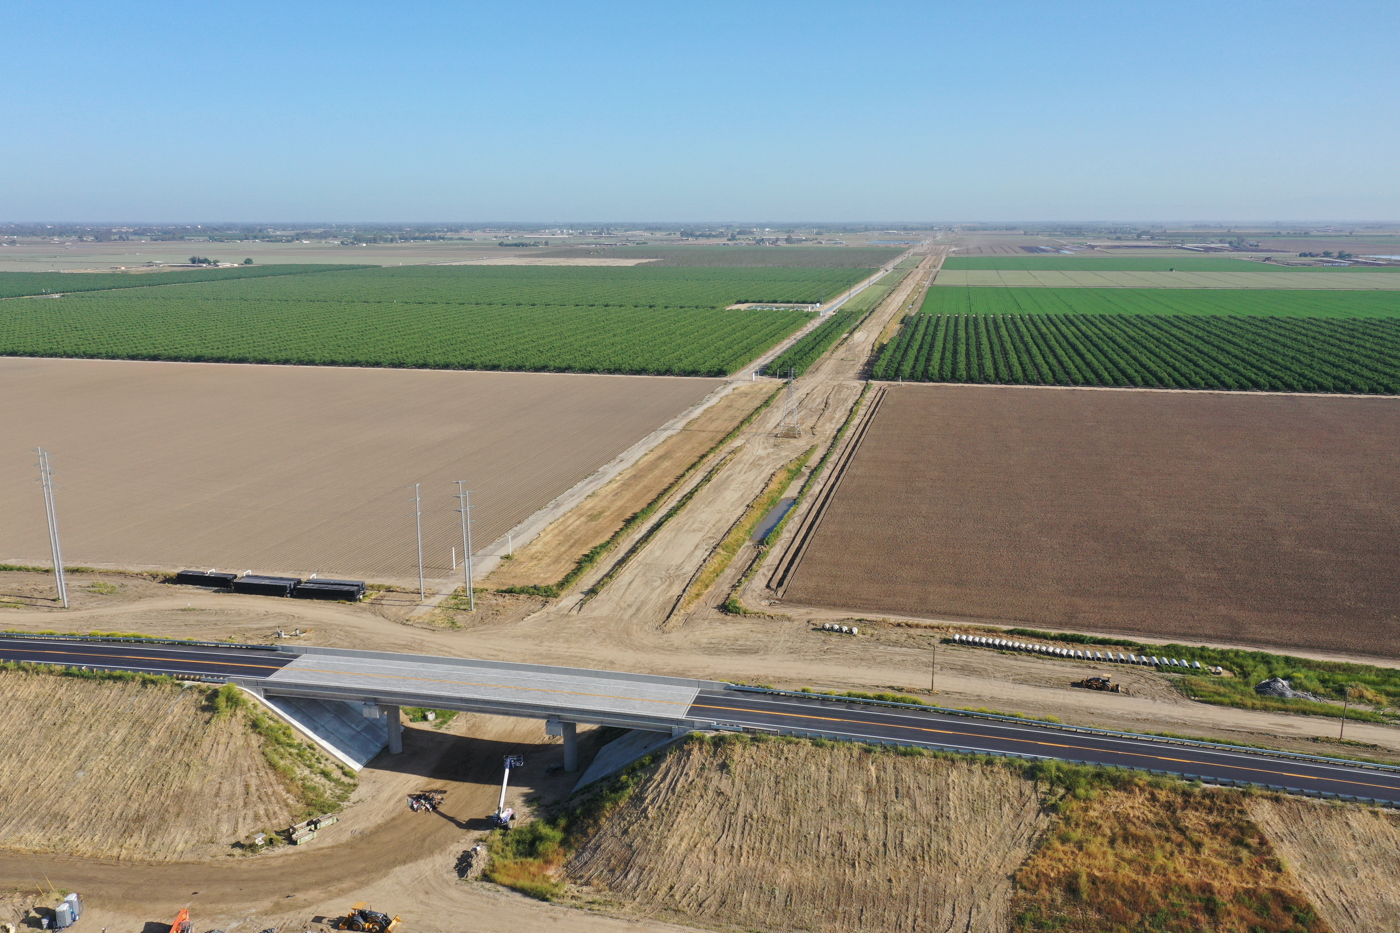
(915, 727)
(802, 715)
(175, 660)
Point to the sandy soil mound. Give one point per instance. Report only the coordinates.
(1346, 858)
(97, 768)
(788, 836)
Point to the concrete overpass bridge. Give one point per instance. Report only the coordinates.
(377, 684)
(381, 683)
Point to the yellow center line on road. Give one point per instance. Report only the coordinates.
(145, 657)
(973, 735)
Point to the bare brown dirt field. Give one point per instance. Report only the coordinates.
(1346, 857)
(787, 836)
(550, 556)
(301, 469)
(1250, 519)
(183, 784)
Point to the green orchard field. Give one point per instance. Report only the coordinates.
(1357, 356)
(1176, 301)
(16, 284)
(813, 344)
(1295, 341)
(639, 320)
(792, 257)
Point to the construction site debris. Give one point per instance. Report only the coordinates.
(1278, 687)
(426, 801)
(306, 830)
(472, 862)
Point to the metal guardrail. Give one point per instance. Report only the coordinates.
(1085, 730)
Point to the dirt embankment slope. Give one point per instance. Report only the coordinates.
(96, 768)
(1346, 858)
(789, 836)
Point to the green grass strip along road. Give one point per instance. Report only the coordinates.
(1299, 354)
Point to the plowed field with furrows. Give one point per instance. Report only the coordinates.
(1213, 516)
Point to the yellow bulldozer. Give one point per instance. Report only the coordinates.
(362, 918)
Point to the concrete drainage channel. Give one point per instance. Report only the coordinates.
(1076, 654)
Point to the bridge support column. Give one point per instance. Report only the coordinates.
(570, 732)
(395, 729)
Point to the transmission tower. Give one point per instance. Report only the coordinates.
(46, 480)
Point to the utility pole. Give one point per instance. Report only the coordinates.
(464, 499)
(1346, 698)
(46, 480)
(418, 514)
(933, 668)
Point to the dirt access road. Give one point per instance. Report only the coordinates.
(646, 593)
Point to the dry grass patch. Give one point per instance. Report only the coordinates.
(144, 768)
(1347, 858)
(1158, 856)
(782, 835)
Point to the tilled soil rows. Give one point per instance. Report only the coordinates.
(1254, 519)
(788, 836)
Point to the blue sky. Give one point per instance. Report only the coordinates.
(699, 111)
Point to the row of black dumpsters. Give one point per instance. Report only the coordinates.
(259, 585)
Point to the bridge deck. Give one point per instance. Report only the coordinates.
(480, 685)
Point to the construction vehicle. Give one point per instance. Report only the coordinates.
(370, 921)
(182, 922)
(1104, 683)
(503, 816)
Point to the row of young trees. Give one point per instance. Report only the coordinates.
(1295, 354)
